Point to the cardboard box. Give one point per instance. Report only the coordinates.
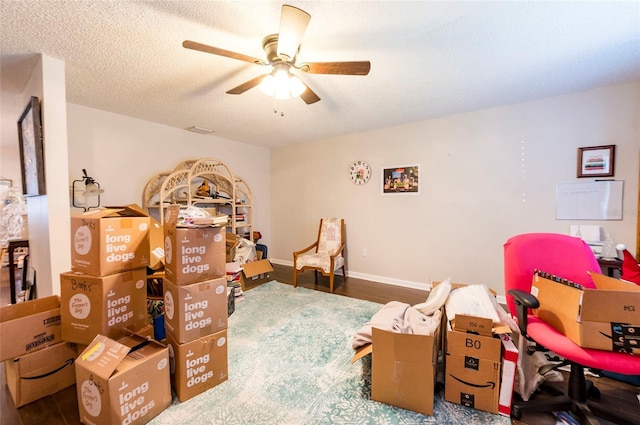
(109, 241)
(29, 326)
(111, 305)
(232, 241)
(473, 364)
(156, 240)
(256, 272)
(196, 310)
(146, 331)
(403, 369)
(156, 245)
(41, 373)
(192, 254)
(592, 318)
(122, 382)
(508, 378)
(199, 365)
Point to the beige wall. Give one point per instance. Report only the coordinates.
(485, 176)
(124, 153)
(120, 152)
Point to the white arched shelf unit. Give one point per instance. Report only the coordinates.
(229, 194)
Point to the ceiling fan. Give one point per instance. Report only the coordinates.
(281, 52)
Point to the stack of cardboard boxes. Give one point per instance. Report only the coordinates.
(480, 365)
(104, 311)
(106, 291)
(195, 304)
(37, 362)
(479, 362)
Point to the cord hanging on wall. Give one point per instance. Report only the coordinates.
(91, 189)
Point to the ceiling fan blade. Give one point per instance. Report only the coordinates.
(339, 68)
(247, 85)
(309, 96)
(188, 44)
(293, 24)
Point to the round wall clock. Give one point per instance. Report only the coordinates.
(360, 172)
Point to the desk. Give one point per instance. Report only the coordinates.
(609, 266)
(13, 245)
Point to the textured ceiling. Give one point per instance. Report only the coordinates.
(428, 58)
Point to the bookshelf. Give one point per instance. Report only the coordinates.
(229, 194)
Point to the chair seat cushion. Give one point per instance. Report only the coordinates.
(555, 341)
(321, 261)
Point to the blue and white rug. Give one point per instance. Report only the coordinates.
(290, 364)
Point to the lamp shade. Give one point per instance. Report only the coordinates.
(281, 84)
(92, 189)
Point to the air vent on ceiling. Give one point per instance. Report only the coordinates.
(200, 130)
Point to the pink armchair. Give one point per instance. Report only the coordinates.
(570, 258)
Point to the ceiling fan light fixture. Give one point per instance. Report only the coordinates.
(281, 50)
(281, 84)
(266, 86)
(296, 86)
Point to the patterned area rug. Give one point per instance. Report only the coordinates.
(290, 363)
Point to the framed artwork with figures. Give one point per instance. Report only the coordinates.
(31, 150)
(404, 179)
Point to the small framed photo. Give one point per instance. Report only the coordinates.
(405, 179)
(31, 150)
(596, 161)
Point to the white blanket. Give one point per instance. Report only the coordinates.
(397, 317)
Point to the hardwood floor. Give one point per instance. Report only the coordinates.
(61, 408)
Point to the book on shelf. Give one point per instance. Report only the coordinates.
(211, 221)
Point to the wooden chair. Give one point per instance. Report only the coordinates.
(328, 255)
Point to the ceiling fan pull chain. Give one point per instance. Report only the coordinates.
(275, 107)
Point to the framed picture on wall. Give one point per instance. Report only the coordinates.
(31, 150)
(405, 179)
(596, 161)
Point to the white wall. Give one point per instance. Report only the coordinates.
(48, 215)
(51, 211)
(11, 108)
(120, 152)
(484, 176)
(474, 194)
(123, 153)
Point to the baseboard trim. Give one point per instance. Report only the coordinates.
(373, 278)
(425, 286)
